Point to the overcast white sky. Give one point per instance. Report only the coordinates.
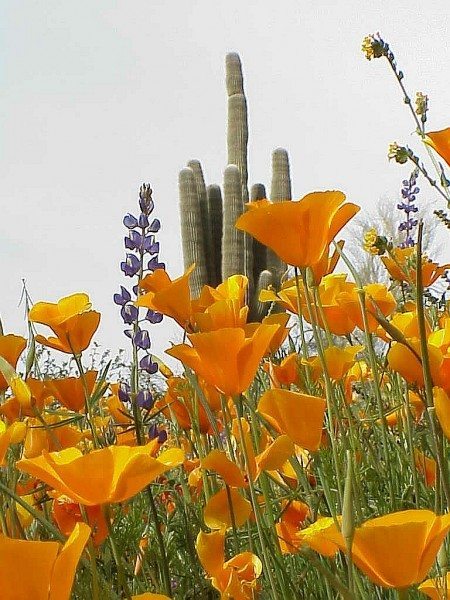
(100, 96)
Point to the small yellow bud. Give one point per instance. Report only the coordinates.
(421, 103)
(372, 47)
(399, 153)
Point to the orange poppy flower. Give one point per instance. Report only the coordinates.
(280, 319)
(326, 265)
(286, 297)
(109, 475)
(440, 141)
(441, 337)
(402, 360)
(182, 402)
(298, 232)
(70, 391)
(220, 314)
(402, 266)
(235, 578)
(53, 438)
(426, 467)
(377, 298)
(226, 358)
(13, 409)
(397, 550)
(217, 511)
(233, 288)
(171, 298)
(118, 411)
(338, 361)
(297, 415)
(332, 290)
(442, 407)
(293, 515)
(317, 536)
(67, 513)
(288, 371)
(217, 461)
(70, 320)
(359, 372)
(11, 347)
(223, 306)
(41, 570)
(275, 455)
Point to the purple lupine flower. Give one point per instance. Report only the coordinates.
(134, 241)
(131, 265)
(155, 226)
(122, 298)
(154, 264)
(130, 221)
(142, 256)
(129, 314)
(141, 339)
(143, 221)
(147, 364)
(155, 432)
(153, 317)
(149, 245)
(124, 391)
(409, 192)
(145, 399)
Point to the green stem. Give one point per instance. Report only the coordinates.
(123, 585)
(36, 514)
(375, 374)
(435, 429)
(331, 405)
(255, 504)
(161, 545)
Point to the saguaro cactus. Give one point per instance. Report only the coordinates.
(210, 238)
(206, 224)
(192, 230)
(214, 200)
(237, 142)
(258, 192)
(280, 190)
(233, 248)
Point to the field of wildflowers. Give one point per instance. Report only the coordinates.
(303, 450)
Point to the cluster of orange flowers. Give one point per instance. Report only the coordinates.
(229, 445)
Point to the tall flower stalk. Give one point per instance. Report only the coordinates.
(142, 257)
(409, 192)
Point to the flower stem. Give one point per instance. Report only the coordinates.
(265, 555)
